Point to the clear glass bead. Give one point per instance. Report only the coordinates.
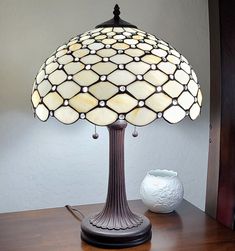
(82, 116)
(102, 103)
(122, 88)
(85, 89)
(141, 103)
(103, 78)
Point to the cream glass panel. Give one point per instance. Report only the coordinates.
(106, 52)
(68, 89)
(156, 77)
(51, 67)
(121, 77)
(167, 67)
(193, 87)
(120, 46)
(91, 59)
(174, 114)
(194, 111)
(53, 100)
(44, 88)
(121, 59)
(141, 116)
(40, 76)
(185, 67)
(104, 68)
(103, 90)
(158, 102)
(85, 77)
(42, 112)
(101, 116)
(122, 103)
(199, 97)
(173, 88)
(137, 67)
(73, 67)
(65, 59)
(182, 77)
(173, 59)
(141, 89)
(151, 59)
(186, 100)
(134, 52)
(57, 77)
(66, 115)
(83, 102)
(81, 53)
(36, 99)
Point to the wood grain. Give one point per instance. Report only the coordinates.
(188, 229)
(215, 110)
(226, 193)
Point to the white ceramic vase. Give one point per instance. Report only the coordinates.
(161, 191)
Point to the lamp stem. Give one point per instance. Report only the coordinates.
(116, 213)
(116, 226)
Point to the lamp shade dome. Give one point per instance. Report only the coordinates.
(112, 73)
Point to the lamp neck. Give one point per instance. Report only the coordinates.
(116, 213)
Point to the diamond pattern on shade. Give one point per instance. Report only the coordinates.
(116, 71)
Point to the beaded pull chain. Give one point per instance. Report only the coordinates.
(135, 133)
(95, 135)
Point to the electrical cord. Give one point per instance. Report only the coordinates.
(75, 212)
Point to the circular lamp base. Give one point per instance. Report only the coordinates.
(106, 238)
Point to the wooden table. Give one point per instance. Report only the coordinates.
(56, 229)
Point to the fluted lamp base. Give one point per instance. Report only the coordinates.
(106, 238)
(116, 226)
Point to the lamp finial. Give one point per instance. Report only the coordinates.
(116, 12)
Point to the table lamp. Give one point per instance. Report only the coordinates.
(110, 76)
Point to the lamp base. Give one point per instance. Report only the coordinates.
(112, 238)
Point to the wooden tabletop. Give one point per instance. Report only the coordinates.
(56, 229)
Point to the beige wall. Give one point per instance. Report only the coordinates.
(50, 164)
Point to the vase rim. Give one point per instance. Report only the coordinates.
(163, 173)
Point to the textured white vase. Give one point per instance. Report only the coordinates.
(161, 191)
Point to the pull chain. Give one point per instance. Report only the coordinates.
(95, 135)
(135, 133)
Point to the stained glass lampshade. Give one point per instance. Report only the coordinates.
(110, 75)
